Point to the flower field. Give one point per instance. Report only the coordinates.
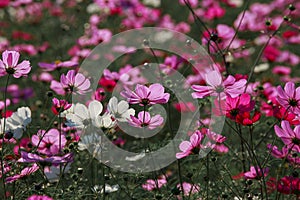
(149, 99)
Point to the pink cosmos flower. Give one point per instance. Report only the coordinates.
(43, 77)
(289, 98)
(216, 142)
(192, 146)
(48, 142)
(281, 70)
(216, 87)
(39, 197)
(59, 106)
(25, 172)
(145, 120)
(256, 173)
(170, 64)
(55, 160)
(154, 184)
(72, 82)
(9, 64)
(188, 189)
(99, 94)
(290, 137)
(2, 104)
(57, 65)
(143, 95)
(285, 153)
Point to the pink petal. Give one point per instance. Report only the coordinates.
(290, 89)
(213, 78)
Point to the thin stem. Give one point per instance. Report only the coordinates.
(180, 178)
(3, 140)
(207, 176)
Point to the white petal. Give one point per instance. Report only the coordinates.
(81, 111)
(95, 108)
(112, 105)
(122, 107)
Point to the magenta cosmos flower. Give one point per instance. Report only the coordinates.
(55, 160)
(190, 147)
(217, 87)
(59, 106)
(290, 137)
(143, 95)
(57, 65)
(256, 173)
(72, 82)
(9, 64)
(289, 98)
(48, 142)
(39, 197)
(145, 120)
(235, 106)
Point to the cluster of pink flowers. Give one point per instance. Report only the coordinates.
(43, 132)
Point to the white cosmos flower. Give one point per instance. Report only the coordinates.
(104, 121)
(120, 110)
(83, 116)
(18, 121)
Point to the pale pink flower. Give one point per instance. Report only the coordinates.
(188, 189)
(143, 95)
(154, 184)
(190, 147)
(290, 137)
(145, 120)
(289, 98)
(48, 142)
(216, 87)
(71, 82)
(9, 64)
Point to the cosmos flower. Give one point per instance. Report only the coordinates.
(25, 172)
(145, 120)
(256, 173)
(290, 137)
(9, 65)
(190, 147)
(289, 98)
(143, 95)
(216, 87)
(18, 121)
(120, 111)
(48, 142)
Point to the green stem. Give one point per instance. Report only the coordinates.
(3, 142)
